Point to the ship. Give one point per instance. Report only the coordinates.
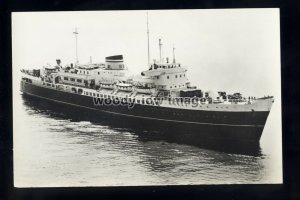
(161, 96)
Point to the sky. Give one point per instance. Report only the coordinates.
(233, 50)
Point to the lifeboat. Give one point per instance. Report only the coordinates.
(126, 87)
(144, 89)
(107, 85)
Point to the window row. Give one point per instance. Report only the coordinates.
(176, 86)
(105, 73)
(176, 76)
(83, 71)
(73, 79)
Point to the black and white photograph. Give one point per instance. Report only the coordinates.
(146, 97)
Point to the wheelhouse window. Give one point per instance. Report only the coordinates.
(72, 79)
(79, 80)
(66, 78)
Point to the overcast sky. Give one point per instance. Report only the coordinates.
(236, 50)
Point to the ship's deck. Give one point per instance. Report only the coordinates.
(149, 100)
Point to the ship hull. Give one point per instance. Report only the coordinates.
(193, 125)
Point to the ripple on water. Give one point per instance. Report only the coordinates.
(81, 153)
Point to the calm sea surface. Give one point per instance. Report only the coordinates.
(52, 149)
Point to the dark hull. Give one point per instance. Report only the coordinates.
(191, 125)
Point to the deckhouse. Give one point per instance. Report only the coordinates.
(167, 76)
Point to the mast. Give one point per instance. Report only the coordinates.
(160, 44)
(148, 41)
(76, 35)
(174, 54)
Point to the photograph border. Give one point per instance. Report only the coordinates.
(289, 57)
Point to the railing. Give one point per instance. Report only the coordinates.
(172, 101)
